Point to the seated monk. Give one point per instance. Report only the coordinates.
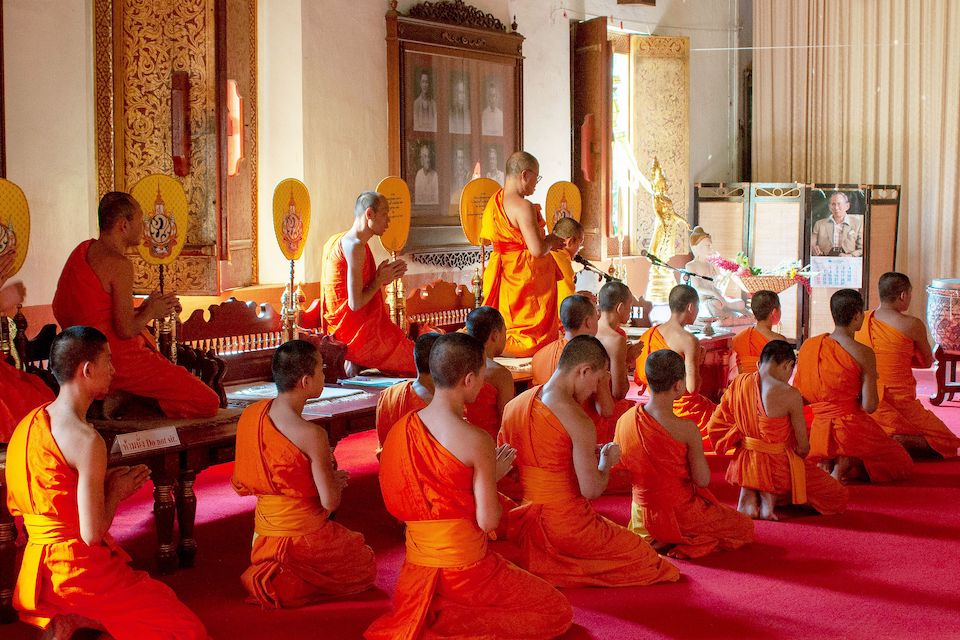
(901, 343)
(684, 306)
(561, 537)
(400, 399)
(487, 325)
(521, 278)
(748, 344)
(354, 311)
(438, 474)
(761, 418)
(96, 290)
(672, 507)
(73, 575)
(838, 377)
(299, 555)
(571, 233)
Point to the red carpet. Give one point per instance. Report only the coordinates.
(888, 568)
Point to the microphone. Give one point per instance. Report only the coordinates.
(589, 266)
(649, 256)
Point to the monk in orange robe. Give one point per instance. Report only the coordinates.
(73, 575)
(487, 325)
(748, 344)
(96, 290)
(561, 537)
(901, 343)
(571, 232)
(761, 418)
(412, 395)
(521, 278)
(672, 506)
(354, 310)
(838, 377)
(438, 474)
(684, 306)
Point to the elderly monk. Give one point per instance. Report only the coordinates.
(561, 537)
(73, 575)
(487, 325)
(838, 376)
(901, 343)
(400, 399)
(748, 344)
(438, 474)
(684, 306)
(672, 506)
(521, 278)
(96, 290)
(571, 233)
(354, 310)
(761, 418)
(299, 556)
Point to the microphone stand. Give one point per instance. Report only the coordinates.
(590, 267)
(684, 274)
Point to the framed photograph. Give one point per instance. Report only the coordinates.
(426, 182)
(458, 113)
(461, 170)
(837, 218)
(425, 103)
(491, 118)
(493, 162)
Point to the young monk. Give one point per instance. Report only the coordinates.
(96, 289)
(749, 343)
(672, 506)
(761, 418)
(901, 343)
(571, 232)
(684, 306)
(487, 325)
(615, 302)
(402, 398)
(438, 473)
(838, 377)
(299, 556)
(73, 575)
(561, 537)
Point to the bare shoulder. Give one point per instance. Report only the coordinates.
(77, 439)
(306, 436)
(685, 431)
(784, 392)
(497, 373)
(863, 354)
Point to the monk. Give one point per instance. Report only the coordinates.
(684, 306)
(761, 418)
(96, 289)
(615, 302)
(838, 377)
(521, 277)
(354, 310)
(402, 398)
(901, 343)
(438, 473)
(487, 325)
(672, 506)
(748, 344)
(571, 232)
(73, 575)
(299, 556)
(561, 537)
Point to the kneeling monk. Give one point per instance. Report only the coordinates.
(299, 556)
(438, 473)
(561, 537)
(354, 311)
(96, 290)
(412, 395)
(487, 325)
(672, 506)
(57, 479)
(748, 344)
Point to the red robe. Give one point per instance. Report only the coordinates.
(19, 393)
(394, 403)
(747, 345)
(483, 412)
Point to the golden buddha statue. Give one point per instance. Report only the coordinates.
(669, 235)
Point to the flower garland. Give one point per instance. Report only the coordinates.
(792, 270)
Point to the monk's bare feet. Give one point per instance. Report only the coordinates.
(352, 370)
(841, 469)
(748, 504)
(63, 626)
(768, 503)
(827, 465)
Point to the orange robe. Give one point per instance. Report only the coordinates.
(19, 393)
(451, 584)
(60, 573)
(667, 506)
(299, 556)
(372, 339)
(521, 287)
(566, 285)
(764, 457)
(561, 537)
(395, 402)
(483, 412)
(140, 369)
(899, 411)
(689, 406)
(830, 379)
(747, 345)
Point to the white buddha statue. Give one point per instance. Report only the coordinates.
(713, 301)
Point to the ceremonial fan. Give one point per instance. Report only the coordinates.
(397, 193)
(291, 221)
(14, 241)
(473, 203)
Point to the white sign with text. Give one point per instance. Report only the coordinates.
(140, 441)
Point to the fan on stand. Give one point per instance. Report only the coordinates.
(397, 193)
(473, 202)
(291, 222)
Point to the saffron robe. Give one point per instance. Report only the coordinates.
(764, 457)
(372, 339)
(747, 345)
(667, 506)
(690, 406)
(830, 379)
(60, 573)
(395, 402)
(561, 537)
(521, 287)
(140, 369)
(299, 556)
(566, 285)
(19, 393)
(483, 412)
(899, 411)
(451, 584)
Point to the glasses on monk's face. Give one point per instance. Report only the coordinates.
(539, 178)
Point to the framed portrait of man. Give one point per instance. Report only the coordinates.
(491, 118)
(425, 102)
(494, 163)
(458, 115)
(426, 183)
(461, 169)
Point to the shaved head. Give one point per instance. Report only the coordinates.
(421, 351)
(453, 356)
(892, 284)
(72, 348)
(778, 352)
(483, 321)
(584, 350)
(664, 368)
(520, 161)
(116, 206)
(612, 294)
(366, 200)
(575, 310)
(682, 296)
(845, 305)
(567, 227)
(763, 303)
